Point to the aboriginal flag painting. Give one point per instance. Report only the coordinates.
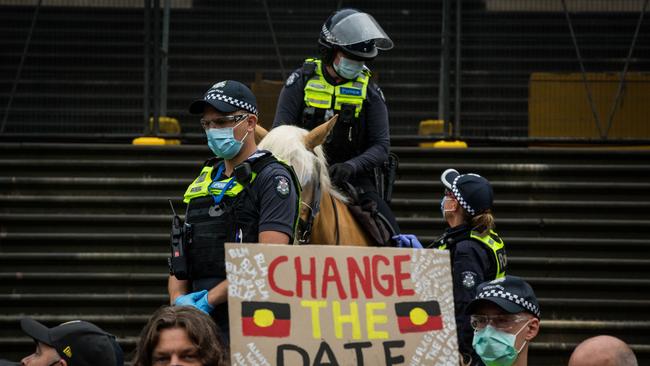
(414, 317)
(265, 319)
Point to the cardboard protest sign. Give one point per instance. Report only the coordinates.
(334, 305)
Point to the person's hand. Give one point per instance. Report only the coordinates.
(204, 305)
(190, 299)
(407, 241)
(341, 173)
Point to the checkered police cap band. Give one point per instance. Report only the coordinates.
(232, 101)
(514, 298)
(459, 197)
(328, 35)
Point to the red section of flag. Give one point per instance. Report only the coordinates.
(279, 329)
(407, 326)
(409, 314)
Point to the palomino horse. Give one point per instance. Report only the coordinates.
(324, 215)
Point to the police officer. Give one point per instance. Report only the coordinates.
(505, 317)
(241, 195)
(477, 253)
(339, 83)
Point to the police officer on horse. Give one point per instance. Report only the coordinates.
(339, 82)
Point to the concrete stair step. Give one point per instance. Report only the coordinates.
(109, 282)
(628, 173)
(74, 242)
(477, 155)
(85, 262)
(132, 223)
(156, 262)
(546, 247)
(402, 207)
(551, 189)
(531, 227)
(404, 189)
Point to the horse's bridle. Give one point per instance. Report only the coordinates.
(304, 227)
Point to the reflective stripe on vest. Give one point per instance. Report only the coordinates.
(203, 185)
(319, 93)
(497, 248)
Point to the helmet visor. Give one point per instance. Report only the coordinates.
(357, 28)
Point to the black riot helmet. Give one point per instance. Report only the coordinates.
(355, 33)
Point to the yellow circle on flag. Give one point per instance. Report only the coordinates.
(263, 318)
(418, 316)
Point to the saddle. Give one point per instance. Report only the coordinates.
(367, 215)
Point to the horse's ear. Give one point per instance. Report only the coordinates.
(318, 135)
(260, 132)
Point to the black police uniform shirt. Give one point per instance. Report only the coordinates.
(277, 210)
(375, 143)
(471, 266)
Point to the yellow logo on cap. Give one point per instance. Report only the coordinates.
(68, 351)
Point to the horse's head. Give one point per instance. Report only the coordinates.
(303, 151)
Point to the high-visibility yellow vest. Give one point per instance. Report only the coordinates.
(321, 94)
(496, 246)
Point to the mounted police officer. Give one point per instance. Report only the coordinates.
(339, 83)
(241, 195)
(477, 252)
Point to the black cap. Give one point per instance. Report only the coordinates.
(79, 342)
(473, 192)
(510, 293)
(226, 96)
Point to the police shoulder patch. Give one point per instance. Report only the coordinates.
(469, 279)
(292, 79)
(282, 186)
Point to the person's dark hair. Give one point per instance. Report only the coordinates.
(200, 328)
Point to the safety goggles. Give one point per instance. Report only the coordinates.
(502, 321)
(220, 122)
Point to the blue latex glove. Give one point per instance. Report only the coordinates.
(204, 305)
(407, 241)
(190, 299)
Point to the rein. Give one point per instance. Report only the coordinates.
(336, 219)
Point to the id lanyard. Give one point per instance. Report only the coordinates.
(217, 198)
(229, 184)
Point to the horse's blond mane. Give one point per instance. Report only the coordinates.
(286, 143)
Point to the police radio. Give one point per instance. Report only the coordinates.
(180, 236)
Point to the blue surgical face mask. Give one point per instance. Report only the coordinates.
(222, 141)
(495, 347)
(348, 69)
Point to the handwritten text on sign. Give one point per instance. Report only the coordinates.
(323, 305)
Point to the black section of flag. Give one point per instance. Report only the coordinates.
(432, 308)
(280, 310)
